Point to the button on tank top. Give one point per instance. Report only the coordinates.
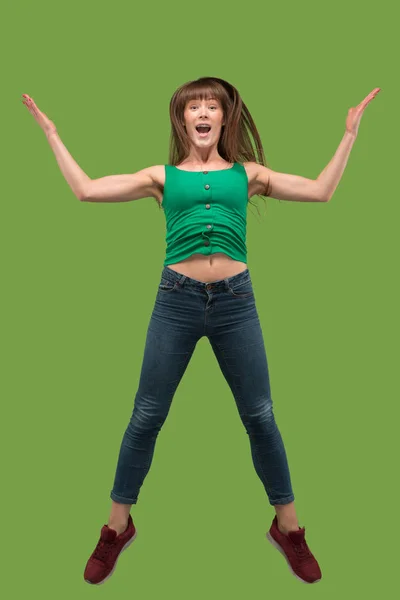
(205, 212)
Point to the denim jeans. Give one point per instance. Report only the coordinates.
(225, 312)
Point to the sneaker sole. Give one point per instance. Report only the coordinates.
(128, 543)
(278, 547)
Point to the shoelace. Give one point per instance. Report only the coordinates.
(102, 550)
(302, 550)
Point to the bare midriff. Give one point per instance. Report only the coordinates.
(209, 268)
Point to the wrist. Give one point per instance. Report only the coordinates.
(49, 134)
(350, 134)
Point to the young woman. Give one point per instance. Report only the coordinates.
(205, 290)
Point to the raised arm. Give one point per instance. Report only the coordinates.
(113, 188)
(283, 186)
(120, 188)
(300, 189)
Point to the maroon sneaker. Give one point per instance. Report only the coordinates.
(294, 548)
(103, 560)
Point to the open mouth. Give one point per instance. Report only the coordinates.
(203, 130)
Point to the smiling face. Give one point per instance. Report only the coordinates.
(207, 113)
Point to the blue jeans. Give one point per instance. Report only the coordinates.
(225, 312)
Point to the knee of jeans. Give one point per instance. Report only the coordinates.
(261, 415)
(143, 422)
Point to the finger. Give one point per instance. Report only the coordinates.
(28, 100)
(370, 97)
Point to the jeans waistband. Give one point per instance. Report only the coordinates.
(183, 280)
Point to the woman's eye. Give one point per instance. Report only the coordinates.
(194, 106)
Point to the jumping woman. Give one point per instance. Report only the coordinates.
(205, 289)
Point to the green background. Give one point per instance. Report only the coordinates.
(79, 282)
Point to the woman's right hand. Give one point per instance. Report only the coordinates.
(44, 122)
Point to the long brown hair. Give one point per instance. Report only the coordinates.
(235, 143)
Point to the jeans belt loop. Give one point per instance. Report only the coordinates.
(181, 280)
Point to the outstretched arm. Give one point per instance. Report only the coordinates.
(331, 175)
(112, 188)
(329, 179)
(75, 176)
(293, 187)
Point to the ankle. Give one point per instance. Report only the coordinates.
(285, 528)
(118, 526)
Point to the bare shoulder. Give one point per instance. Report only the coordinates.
(258, 177)
(253, 170)
(157, 174)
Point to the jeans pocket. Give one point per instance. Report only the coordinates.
(242, 290)
(166, 285)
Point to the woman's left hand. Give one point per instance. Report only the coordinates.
(355, 114)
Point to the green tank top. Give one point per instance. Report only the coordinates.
(205, 212)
